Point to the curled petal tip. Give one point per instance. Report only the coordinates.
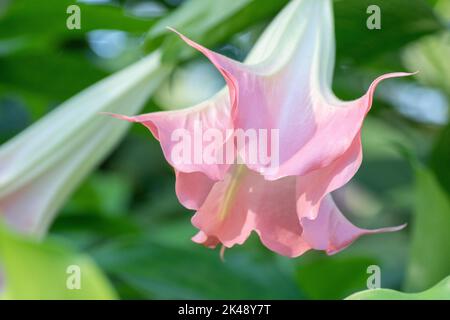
(176, 32)
(333, 250)
(393, 75)
(172, 29)
(392, 229)
(387, 229)
(407, 74)
(118, 116)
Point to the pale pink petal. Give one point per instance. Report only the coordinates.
(224, 214)
(168, 126)
(226, 66)
(244, 201)
(192, 189)
(331, 231)
(276, 221)
(315, 128)
(314, 186)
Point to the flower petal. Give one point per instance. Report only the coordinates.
(245, 201)
(290, 91)
(276, 221)
(331, 231)
(217, 112)
(192, 189)
(170, 127)
(224, 214)
(314, 186)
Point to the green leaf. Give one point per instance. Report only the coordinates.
(35, 270)
(441, 291)
(430, 254)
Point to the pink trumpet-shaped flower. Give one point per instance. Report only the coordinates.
(285, 84)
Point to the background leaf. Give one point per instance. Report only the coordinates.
(430, 243)
(440, 158)
(440, 291)
(45, 277)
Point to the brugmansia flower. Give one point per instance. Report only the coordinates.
(284, 85)
(41, 166)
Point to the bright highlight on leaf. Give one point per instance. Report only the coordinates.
(440, 291)
(48, 271)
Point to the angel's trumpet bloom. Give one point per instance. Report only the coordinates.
(41, 166)
(284, 85)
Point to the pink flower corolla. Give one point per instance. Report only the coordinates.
(284, 84)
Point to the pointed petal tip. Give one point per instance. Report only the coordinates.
(407, 74)
(392, 75)
(370, 92)
(333, 250)
(391, 229)
(173, 30)
(118, 116)
(226, 66)
(183, 37)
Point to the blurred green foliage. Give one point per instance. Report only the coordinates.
(430, 254)
(126, 216)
